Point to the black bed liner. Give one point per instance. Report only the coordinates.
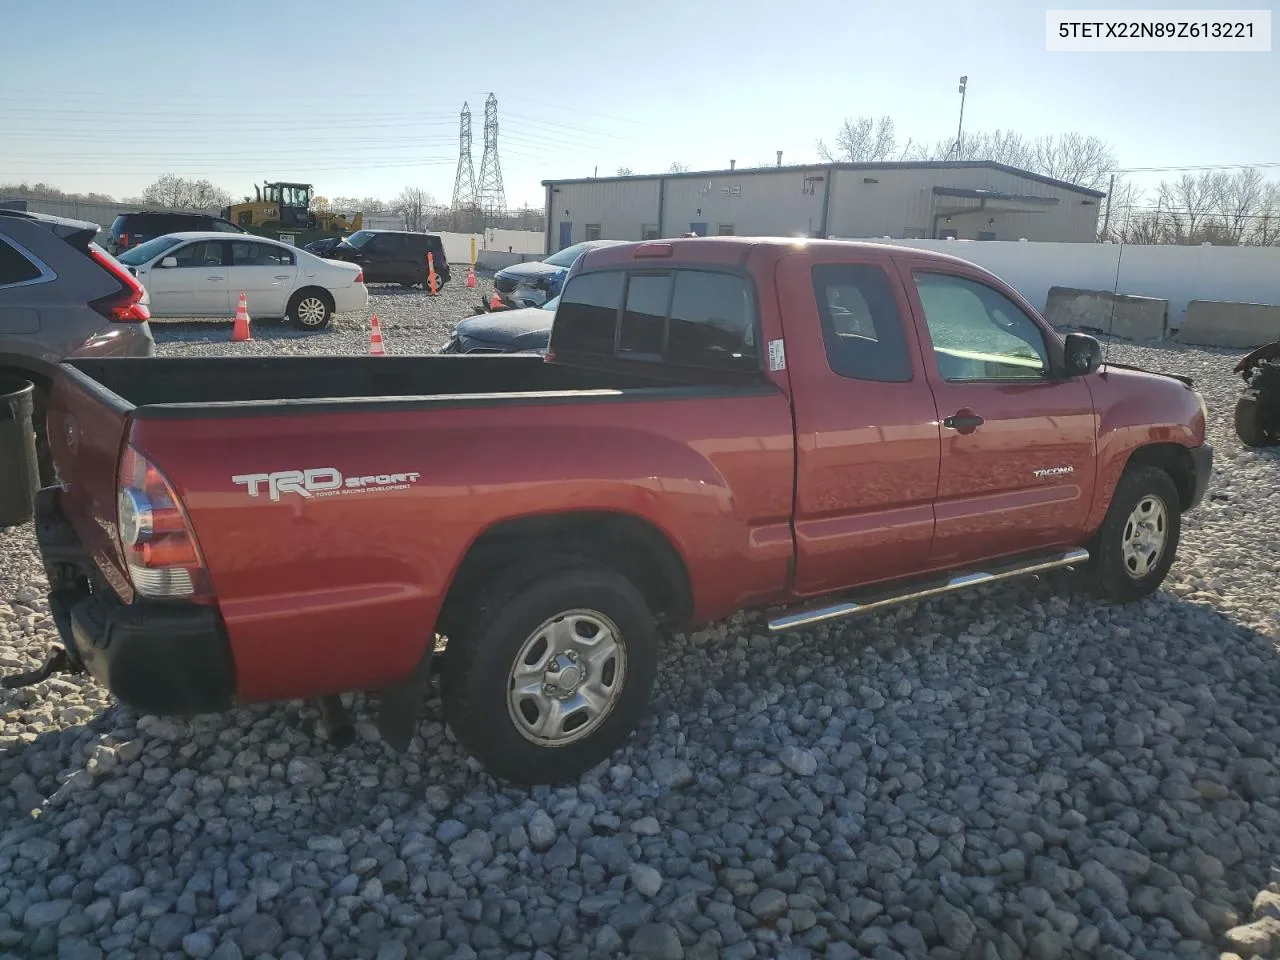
(184, 387)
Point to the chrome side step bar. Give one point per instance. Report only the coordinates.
(809, 615)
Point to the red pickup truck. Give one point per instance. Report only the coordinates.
(817, 427)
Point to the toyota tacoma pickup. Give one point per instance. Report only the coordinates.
(815, 429)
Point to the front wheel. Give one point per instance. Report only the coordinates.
(551, 675)
(1138, 540)
(310, 310)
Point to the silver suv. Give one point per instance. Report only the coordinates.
(62, 295)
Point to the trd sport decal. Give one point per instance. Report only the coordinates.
(320, 482)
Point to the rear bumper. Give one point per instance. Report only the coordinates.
(119, 340)
(1202, 464)
(158, 657)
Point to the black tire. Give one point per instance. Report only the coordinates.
(476, 675)
(1249, 424)
(1111, 568)
(310, 309)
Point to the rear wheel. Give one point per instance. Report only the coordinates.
(1250, 424)
(551, 675)
(1138, 540)
(310, 309)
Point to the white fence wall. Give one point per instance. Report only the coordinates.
(457, 246)
(1173, 273)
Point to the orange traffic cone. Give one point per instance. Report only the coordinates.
(376, 348)
(433, 284)
(471, 277)
(240, 329)
(495, 302)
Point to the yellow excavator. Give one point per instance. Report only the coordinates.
(285, 208)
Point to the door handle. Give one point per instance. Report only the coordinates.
(215, 278)
(963, 422)
(284, 277)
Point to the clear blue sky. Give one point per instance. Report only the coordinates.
(363, 98)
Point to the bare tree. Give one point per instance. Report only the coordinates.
(168, 191)
(1189, 202)
(678, 167)
(625, 172)
(1238, 201)
(413, 206)
(177, 192)
(1123, 206)
(997, 146)
(1075, 158)
(862, 140)
(1143, 227)
(1265, 230)
(44, 191)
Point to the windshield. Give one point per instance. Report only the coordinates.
(143, 252)
(358, 239)
(566, 256)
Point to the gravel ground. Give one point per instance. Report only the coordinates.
(1014, 773)
(411, 321)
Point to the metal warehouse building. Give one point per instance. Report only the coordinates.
(967, 200)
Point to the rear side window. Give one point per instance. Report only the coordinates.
(712, 322)
(861, 326)
(245, 254)
(587, 316)
(14, 267)
(684, 317)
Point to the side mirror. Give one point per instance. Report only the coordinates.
(169, 262)
(1083, 354)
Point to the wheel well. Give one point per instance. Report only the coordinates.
(632, 547)
(1175, 460)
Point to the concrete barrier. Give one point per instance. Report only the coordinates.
(497, 259)
(1221, 323)
(1130, 317)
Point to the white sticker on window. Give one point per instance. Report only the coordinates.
(777, 355)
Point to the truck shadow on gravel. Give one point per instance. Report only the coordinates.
(1020, 767)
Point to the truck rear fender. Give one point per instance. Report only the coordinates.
(633, 546)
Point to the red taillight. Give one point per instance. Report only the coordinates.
(156, 537)
(124, 241)
(360, 277)
(125, 306)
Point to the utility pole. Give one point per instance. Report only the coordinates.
(964, 82)
(1106, 219)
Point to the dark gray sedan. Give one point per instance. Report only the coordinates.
(527, 330)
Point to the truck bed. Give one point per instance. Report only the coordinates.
(154, 388)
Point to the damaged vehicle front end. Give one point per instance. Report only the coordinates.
(1258, 406)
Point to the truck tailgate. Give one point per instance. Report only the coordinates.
(87, 425)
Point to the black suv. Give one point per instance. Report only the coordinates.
(130, 229)
(393, 256)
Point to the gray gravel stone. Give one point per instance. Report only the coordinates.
(657, 941)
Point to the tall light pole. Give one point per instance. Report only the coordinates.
(964, 82)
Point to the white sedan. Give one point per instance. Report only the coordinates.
(202, 274)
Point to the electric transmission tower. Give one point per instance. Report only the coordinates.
(464, 184)
(492, 197)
